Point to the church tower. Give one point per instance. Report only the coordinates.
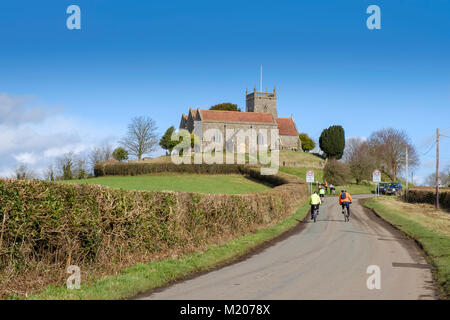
(262, 102)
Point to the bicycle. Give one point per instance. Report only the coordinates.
(315, 212)
(346, 213)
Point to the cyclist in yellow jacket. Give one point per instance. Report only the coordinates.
(314, 201)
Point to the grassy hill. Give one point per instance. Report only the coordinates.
(300, 159)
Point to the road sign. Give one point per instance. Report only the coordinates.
(376, 176)
(310, 176)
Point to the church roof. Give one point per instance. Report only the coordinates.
(236, 116)
(286, 127)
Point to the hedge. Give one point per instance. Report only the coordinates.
(139, 168)
(428, 195)
(113, 168)
(45, 226)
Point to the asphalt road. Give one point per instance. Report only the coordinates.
(324, 260)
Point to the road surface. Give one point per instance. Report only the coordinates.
(324, 260)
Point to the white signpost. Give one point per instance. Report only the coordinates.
(310, 179)
(376, 177)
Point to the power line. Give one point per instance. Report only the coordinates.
(431, 147)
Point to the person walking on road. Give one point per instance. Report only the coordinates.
(332, 188)
(314, 201)
(345, 199)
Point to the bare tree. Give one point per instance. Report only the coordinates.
(389, 147)
(447, 172)
(444, 177)
(80, 170)
(22, 173)
(141, 137)
(360, 158)
(66, 166)
(100, 154)
(49, 174)
(351, 146)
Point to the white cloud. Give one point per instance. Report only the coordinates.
(13, 111)
(26, 157)
(57, 152)
(37, 136)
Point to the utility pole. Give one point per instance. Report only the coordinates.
(437, 168)
(406, 192)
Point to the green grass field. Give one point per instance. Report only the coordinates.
(430, 227)
(231, 184)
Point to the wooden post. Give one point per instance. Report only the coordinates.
(406, 187)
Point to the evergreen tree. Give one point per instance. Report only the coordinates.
(332, 142)
(166, 140)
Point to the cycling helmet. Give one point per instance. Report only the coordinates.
(315, 192)
(343, 190)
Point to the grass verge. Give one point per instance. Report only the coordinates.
(356, 189)
(414, 221)
(143, 277)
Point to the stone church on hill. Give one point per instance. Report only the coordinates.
(260, 113)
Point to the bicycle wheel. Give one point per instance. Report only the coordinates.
(315, 216)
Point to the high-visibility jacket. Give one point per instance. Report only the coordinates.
(322, 191)
(348, 198)
(314, 199)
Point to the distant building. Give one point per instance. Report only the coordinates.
(260, 113)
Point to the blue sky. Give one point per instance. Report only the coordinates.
(79, 88)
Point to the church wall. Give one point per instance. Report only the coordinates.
(236, 126)
(290, 142)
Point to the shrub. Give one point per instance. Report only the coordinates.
(48, 226)
(336, 172)
(120, 154)
(428, 195)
